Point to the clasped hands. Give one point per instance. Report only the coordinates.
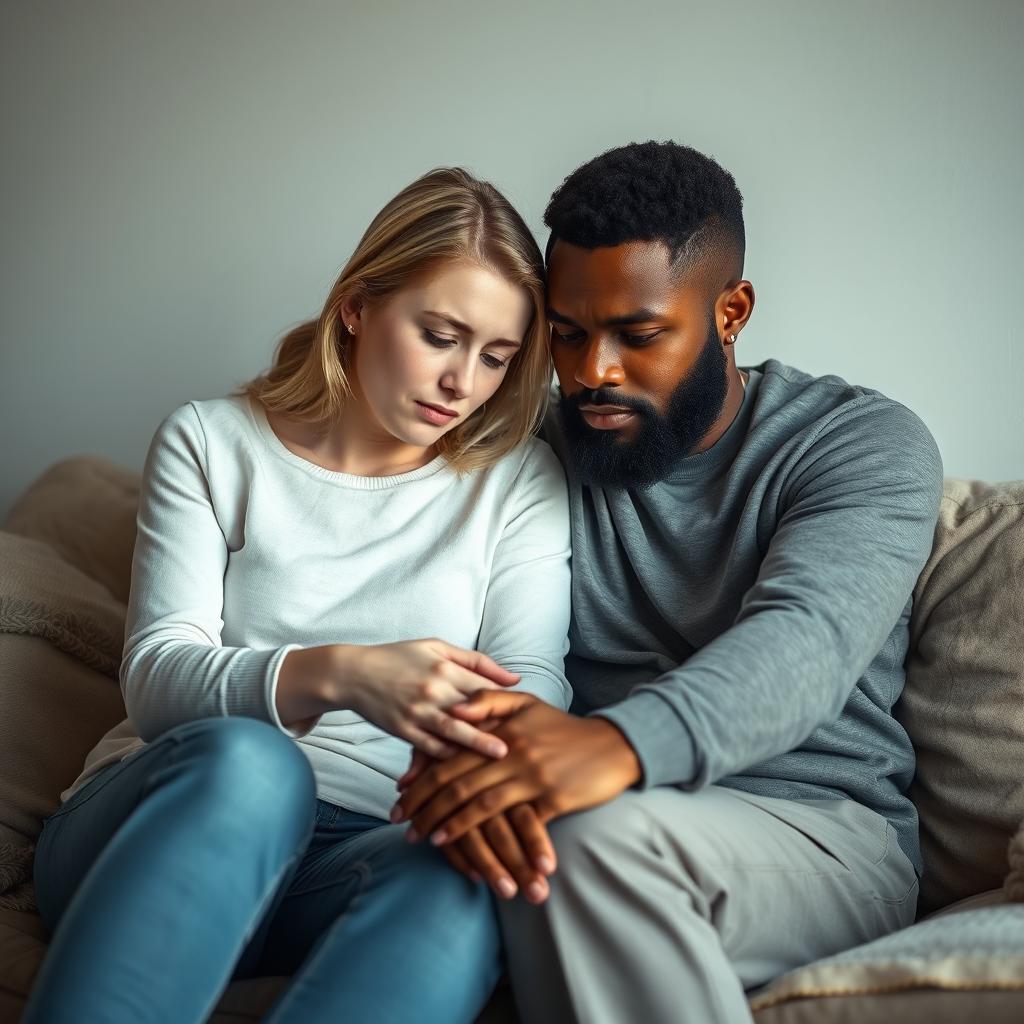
(489, 817)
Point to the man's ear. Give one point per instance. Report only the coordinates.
(733, 308)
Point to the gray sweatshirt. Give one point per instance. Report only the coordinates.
(745, 621)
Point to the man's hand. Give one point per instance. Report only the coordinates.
(557, 762)
(511, 852)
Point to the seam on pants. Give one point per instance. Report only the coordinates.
(888, 840)
(88, 791)
(765, 869)
(257, 917)
(896, 901)
(310, 965)
(360, 867)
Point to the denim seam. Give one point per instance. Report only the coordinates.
(310, 966)
(360, 867)
(74, 803)
(257, 917)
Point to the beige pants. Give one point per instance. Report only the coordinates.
(667, 906)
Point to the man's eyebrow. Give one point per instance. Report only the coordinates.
(466, 329)
(641, 316)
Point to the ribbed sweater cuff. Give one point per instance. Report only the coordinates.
(662, 743)
(252, 692)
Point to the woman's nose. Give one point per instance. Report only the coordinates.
(458, 380)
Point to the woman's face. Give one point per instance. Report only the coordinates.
(430, 355)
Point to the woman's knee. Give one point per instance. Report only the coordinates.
(250, 762)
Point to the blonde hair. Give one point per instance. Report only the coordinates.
(446, 215)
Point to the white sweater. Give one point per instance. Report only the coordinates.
(246, 551)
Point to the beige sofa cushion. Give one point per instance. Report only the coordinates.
(966, 963)
(84, 507)
(963, 704)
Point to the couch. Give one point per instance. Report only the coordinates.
(65, 560)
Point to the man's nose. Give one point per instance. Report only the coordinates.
(598, 366)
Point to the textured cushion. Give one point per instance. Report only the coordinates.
(61, 635)
(84, 507)
(966, 963)
(963, 704)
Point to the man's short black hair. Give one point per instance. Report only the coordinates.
(652, 191)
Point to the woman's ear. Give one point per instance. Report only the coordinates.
(352, 311)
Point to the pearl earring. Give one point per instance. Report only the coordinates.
(351, 329)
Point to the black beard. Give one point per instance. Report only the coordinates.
(602, 459)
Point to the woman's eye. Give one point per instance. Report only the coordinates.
(437, 339)
(493, 362)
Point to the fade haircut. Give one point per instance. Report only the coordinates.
(653, 191)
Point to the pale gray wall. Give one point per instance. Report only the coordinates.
(181, 181)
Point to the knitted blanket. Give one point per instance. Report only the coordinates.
(43, 595)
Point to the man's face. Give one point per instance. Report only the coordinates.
(642, 371)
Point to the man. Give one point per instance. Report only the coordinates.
(729, 800)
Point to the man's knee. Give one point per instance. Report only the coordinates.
(660, 830)
(613, 832)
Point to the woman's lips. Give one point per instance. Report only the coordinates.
(434, 416)
(606, 420)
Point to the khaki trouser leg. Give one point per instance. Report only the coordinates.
(668, 905)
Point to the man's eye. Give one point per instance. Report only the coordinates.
(640, 339)
(572, 338)
(436, 339)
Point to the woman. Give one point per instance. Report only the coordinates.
(302, 545)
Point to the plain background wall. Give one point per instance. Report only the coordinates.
(183, 181)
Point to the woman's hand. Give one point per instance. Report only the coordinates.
(407, 689)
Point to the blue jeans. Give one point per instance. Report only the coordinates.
(206, 856)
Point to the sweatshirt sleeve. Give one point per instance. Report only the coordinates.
(855, 534)
(174, 668)
(525, 622)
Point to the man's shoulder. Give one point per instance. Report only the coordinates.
(828, 420)
(782, 382)
(826, 402)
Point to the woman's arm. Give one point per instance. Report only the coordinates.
(525, 622)
(175, 668)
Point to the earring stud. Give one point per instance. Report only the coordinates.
(351, 329)
(732, 338)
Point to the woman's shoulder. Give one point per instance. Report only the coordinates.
(528, 476)
(209, 420)
(532, 459)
